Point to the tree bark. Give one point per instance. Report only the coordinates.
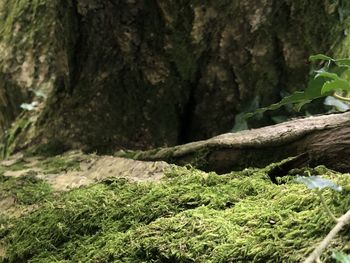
(35, 46)
(312, 141)
(142, 74)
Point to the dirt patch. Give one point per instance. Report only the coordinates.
(13, 160)
(6, 203)
(75, 169)
(27, 182)
(99, 168)
(19, 173)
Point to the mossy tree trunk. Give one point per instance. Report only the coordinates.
(141, 74)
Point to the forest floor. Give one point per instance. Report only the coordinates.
(88, 208)
(63, 173)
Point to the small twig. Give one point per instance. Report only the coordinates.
(325, 206)
(342, 221)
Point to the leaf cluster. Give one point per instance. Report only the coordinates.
(332, 77)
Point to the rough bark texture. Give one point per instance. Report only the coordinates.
(313, 141)
(32, 42)
(140, 74)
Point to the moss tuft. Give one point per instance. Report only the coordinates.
(190, 216)
(7, 144)
(25, 190)
(61, 163)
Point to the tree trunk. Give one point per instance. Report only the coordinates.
(312, 141)
(142, 74)
(35, 46)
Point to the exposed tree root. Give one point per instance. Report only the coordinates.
(315, 140)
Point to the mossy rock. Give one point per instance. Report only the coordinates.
(189, 216)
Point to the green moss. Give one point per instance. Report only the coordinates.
(51, 165)
(4, 225)
(40, 35)
(129, 154)
(17, 16)
(189, 217)
(58, 164)
(17, 166)
(7, 145)
(200, 159)
(25, 190)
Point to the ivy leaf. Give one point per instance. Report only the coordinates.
(297, 107)
(324, 82)
(299, 98)
(316, 182)
(296, 97)
(313, 90)
(341, 257)
(344, 62)
(326, 74)
(338, 84)
(320, 57)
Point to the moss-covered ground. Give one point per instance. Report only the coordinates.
(26, 189)
(189, 216)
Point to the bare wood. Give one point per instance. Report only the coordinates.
(321, 140)
(342, 221)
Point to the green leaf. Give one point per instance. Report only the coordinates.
(344, 62)
(338, 84)
(341, 257)
(324, 82)
(320, 57)
(326, 74)
(300, 98)
(296, 97)
(314, 86)
(297, 107)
